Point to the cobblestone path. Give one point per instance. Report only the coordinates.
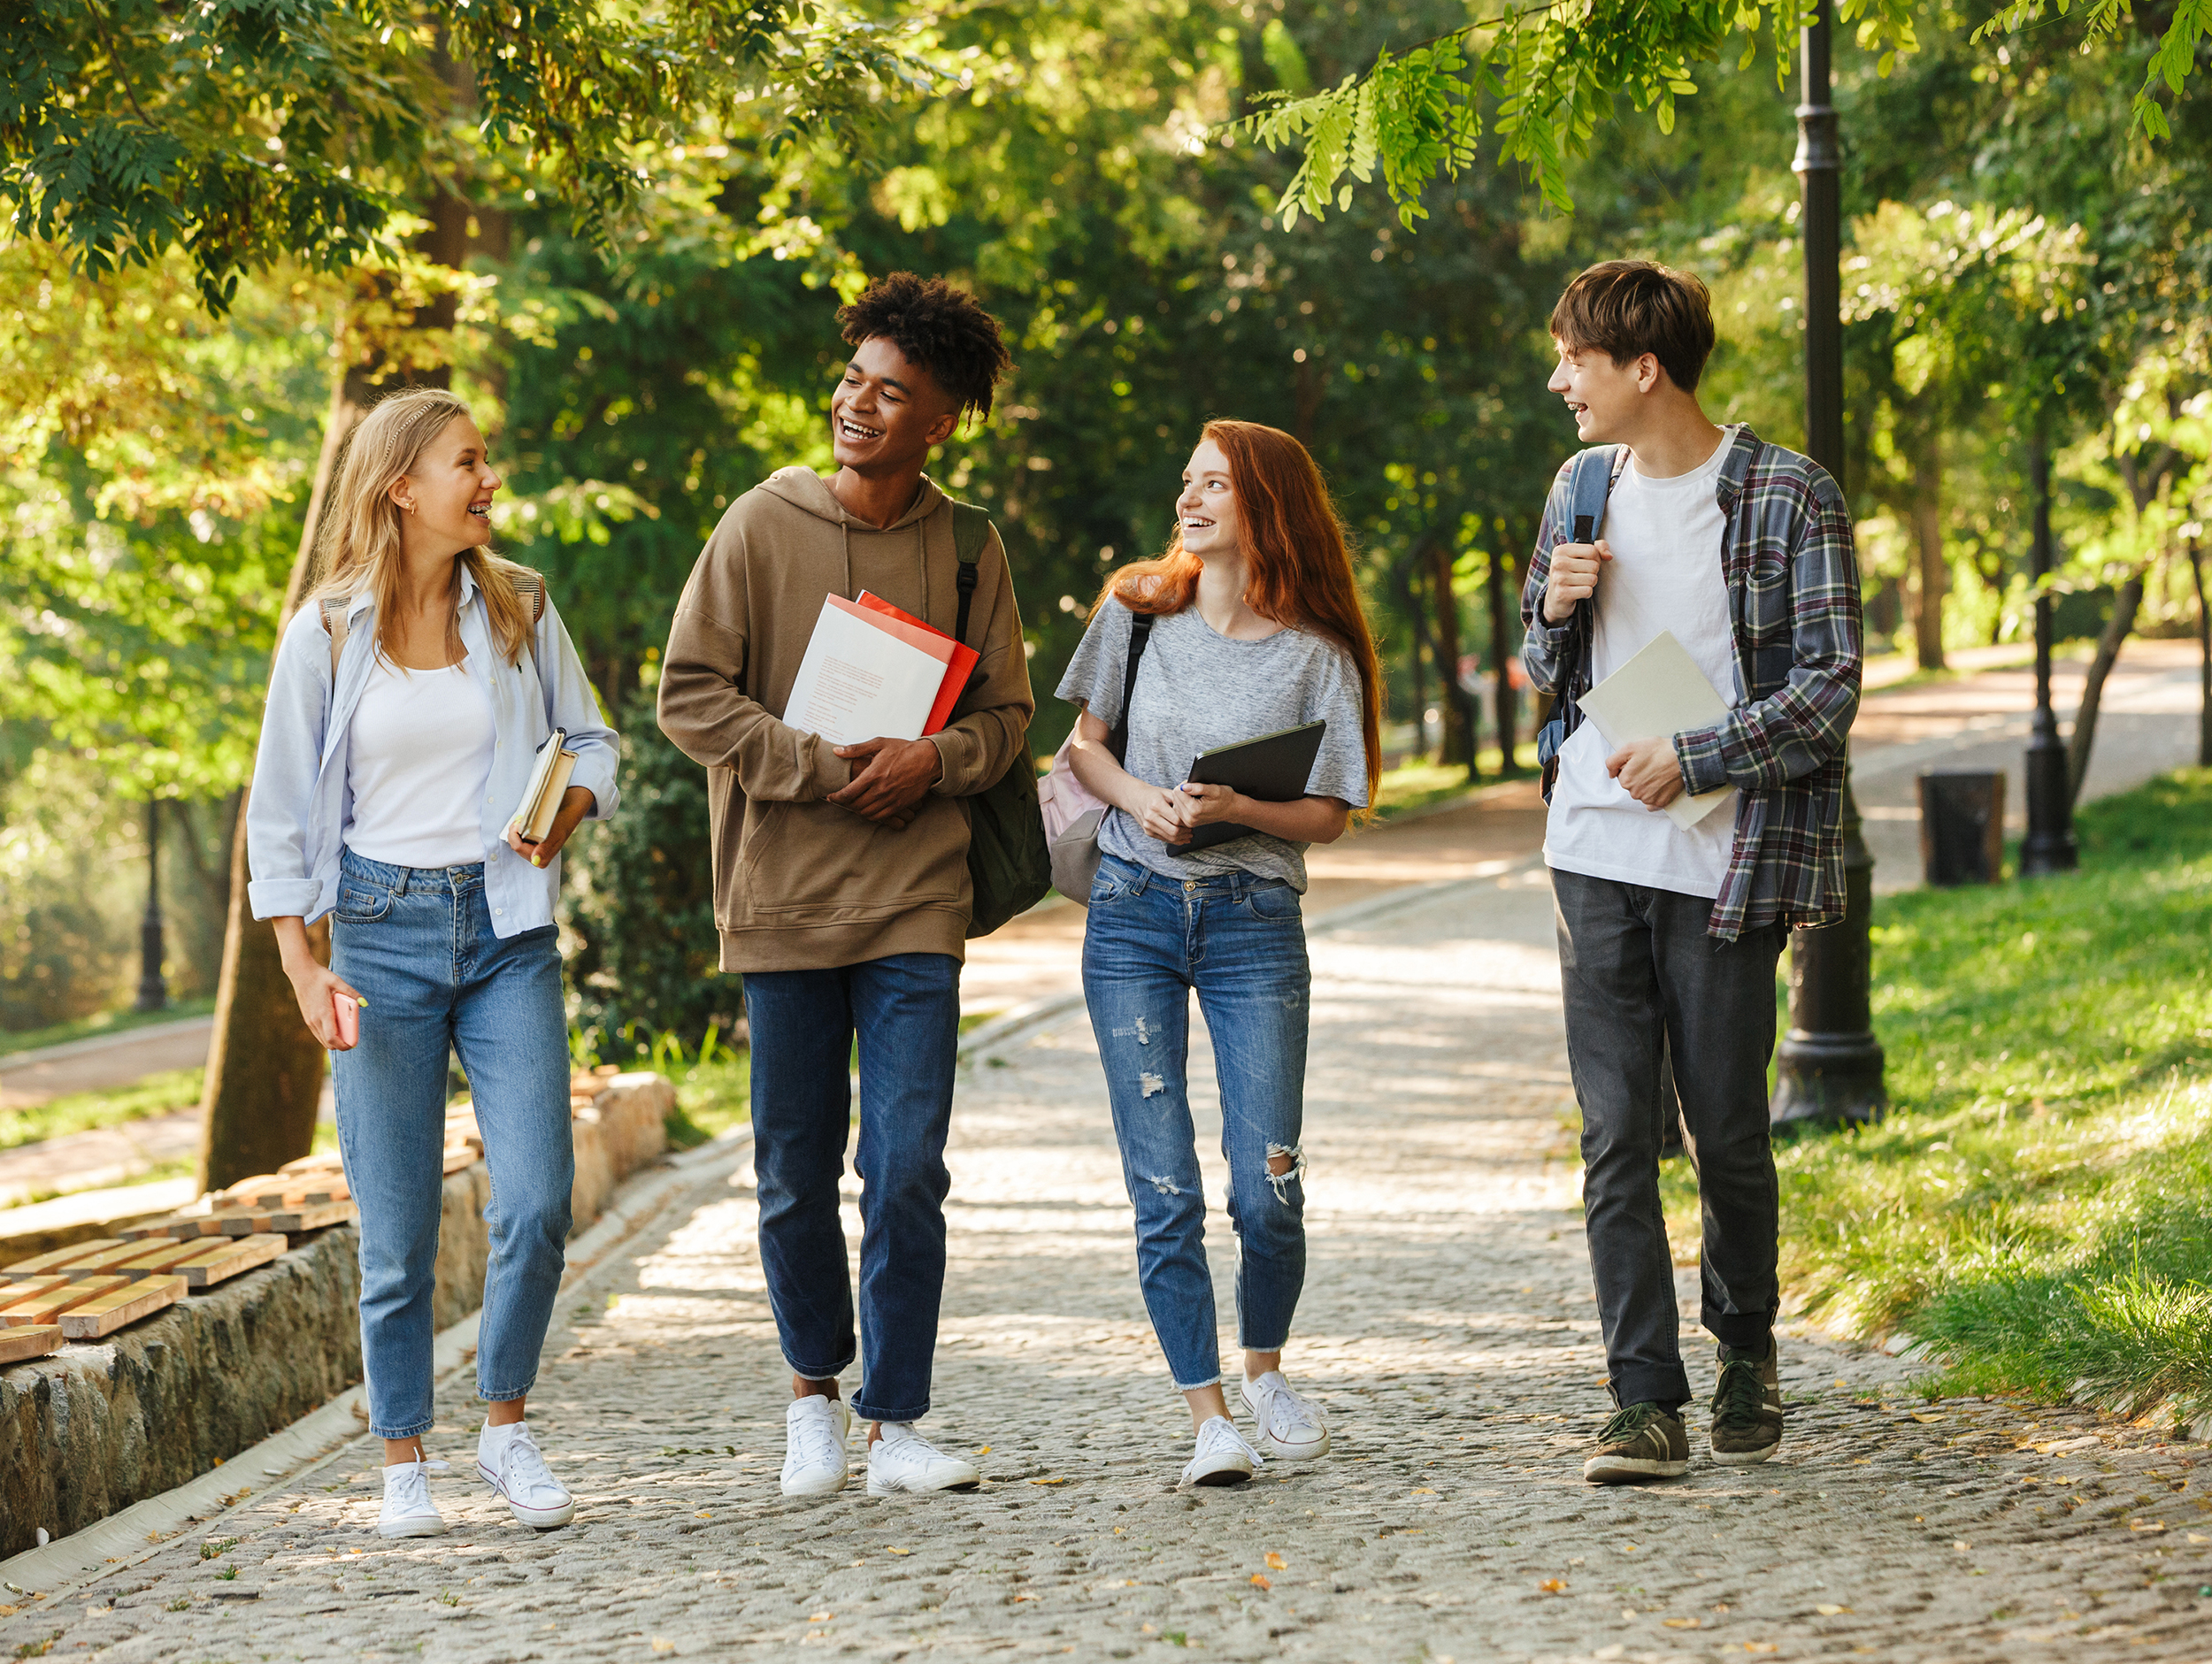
(1447, 1326)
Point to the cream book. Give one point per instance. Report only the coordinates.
(1660, 693)
(866, 676)
(542, 797)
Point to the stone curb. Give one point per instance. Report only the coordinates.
(121, 1540)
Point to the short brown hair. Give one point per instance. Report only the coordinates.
(1627, 308)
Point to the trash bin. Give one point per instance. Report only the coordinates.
(1963, 826)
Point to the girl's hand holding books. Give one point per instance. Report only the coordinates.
(576, 803)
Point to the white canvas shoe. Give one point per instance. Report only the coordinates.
(902, 1459)
(1223, 1458)
(508, 1459)
(1285, 1423)
(408, 1510)
(815, 1431)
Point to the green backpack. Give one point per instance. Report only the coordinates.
(1010, 865)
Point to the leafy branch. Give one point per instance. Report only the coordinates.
(2169, 66)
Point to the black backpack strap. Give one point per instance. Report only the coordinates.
(1140, 632)
(971, 531)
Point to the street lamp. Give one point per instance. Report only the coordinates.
(152, 994)
(1830, 1064)
(2049, 844)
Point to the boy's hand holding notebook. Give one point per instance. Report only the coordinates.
(1659, 694)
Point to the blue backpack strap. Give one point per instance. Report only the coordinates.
(1588, 487)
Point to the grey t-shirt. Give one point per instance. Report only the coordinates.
(1197, 689)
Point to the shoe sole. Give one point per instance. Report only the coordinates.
(432, 1527)
(1628, 1470)
(1268, 1446)
(1745, 1458)
(827, 1489)
(877, 1488)
(536, 1519)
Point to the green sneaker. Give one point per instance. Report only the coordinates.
(1748, 1405)
(1642, 1441)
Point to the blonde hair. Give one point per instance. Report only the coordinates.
(357, 535)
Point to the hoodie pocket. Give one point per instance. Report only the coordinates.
(808, 863)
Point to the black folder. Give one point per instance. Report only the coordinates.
(1273, 768)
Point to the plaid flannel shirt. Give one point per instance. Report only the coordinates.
(1792, 577)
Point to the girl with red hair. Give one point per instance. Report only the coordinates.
(1249, 624)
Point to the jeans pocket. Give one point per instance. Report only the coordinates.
(362, 903)
(1276, 902)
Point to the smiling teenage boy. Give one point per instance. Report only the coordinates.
(840, 877)
(1668, 936)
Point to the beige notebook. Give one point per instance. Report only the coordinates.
(1660, 693)
(541, 799)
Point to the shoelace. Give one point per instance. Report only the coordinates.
(413, 1485)
(913, 1447)
(1280, 1404)
(1626, 1423)
(815, 1439)
(1741, 1394)
(1219, 1435)
(526, 1472)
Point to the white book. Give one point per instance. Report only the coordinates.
(859, 681)
(1658, 693)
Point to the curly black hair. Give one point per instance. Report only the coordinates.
(939, 327)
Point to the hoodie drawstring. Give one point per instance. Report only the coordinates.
(847, 532)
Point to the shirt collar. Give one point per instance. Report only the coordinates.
(1742, 449)
(363, 597)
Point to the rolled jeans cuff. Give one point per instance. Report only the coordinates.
(1644, 1385)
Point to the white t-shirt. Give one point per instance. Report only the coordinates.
(420, 758)
(1666, 574)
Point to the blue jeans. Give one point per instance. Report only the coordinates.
(906, 1011)
(1240, 943)
(418, 943)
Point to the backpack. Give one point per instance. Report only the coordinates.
(527, 583)
(1072, 816)
(1588, 486)
(1010, 866)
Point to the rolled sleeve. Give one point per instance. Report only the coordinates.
(281, 881)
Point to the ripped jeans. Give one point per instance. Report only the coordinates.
(1241, 944)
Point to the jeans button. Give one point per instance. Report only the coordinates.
(1190, 884)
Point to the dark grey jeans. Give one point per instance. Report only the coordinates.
(1642, 979)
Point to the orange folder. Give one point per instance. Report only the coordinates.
(957, 668)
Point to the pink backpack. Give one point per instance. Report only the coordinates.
(1072, 813)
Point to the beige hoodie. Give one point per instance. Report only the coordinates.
(801, 884)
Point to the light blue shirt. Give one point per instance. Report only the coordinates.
(301, 804)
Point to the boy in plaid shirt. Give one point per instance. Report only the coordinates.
(1668, 935)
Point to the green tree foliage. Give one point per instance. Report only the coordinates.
(264, 132)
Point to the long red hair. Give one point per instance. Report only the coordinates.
(1294, 544)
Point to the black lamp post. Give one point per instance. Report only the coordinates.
(153, 995)
(1830, 1063)
(2049, 844)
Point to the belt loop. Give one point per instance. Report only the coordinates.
(405, 873)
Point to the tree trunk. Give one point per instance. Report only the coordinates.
(1927, 525)
(2117, 630)
(2204, 659)
(1416, 638)
(265, 1069)
(1457, 749)
(1502, 621)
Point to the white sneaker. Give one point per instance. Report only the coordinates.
(1285, 1423)
(407, 1509)
(902, 1459)
(508, 1459)
(815, 1431)
(1223, 1457)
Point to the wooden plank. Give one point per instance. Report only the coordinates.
(239, 1222)
(33, 1341)
(106, 1260)
(293, 1192)
(219, 1264)
(31, 1285)
(175, 1227)
(456, 1159)
(44, 1309)
(326, 1162)
(314, 1217)
(56, 1259)
(158, 1256)
(247, 1191)
(126, 1305)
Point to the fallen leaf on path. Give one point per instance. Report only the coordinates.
(1048, 1482)
(1552, 1586)
(2146, 1525)
(703, 1514)
(983, 1450)
(1829, 1612)
(819, 1617)
(1918, 1416)
(1763, 1646)
(1276, 1562)
(1684, 1623)
(1423, 1491)
(1964, 1548)
(1260, 1579)
(2199, 1537)
(898, 1551)
(661, 1646)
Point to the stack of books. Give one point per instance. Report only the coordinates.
(873, 672)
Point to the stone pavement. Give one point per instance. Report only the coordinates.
(1448, 1327)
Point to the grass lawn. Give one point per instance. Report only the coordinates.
(83, 1111)
(1417, 784)
(2039, 1203)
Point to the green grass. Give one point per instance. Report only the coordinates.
(710, 1098)
(103, 1024)
(2039, 1203)
(1414, 785)
(83, 1111)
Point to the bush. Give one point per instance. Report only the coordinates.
(642, 901)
